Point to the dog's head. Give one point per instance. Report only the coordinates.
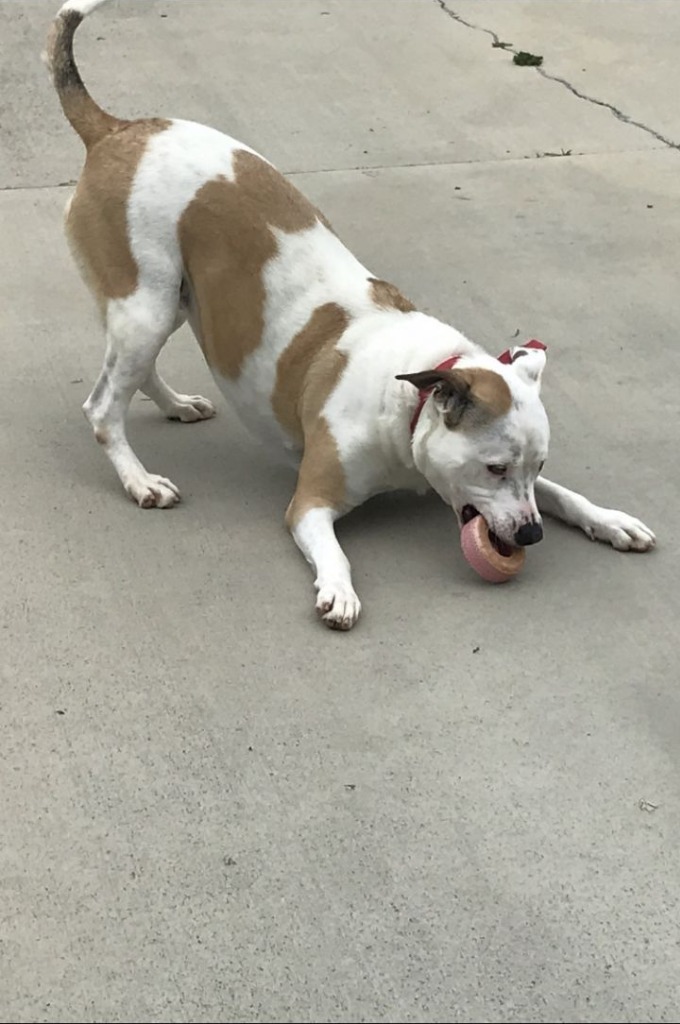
(483, 439)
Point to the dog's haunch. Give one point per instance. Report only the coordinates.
(494, 561)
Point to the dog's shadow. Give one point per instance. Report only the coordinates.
(409, 518)
(416, 536)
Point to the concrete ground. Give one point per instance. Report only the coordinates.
(212, 809)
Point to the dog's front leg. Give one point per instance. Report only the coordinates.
(620, 530)
(314, 533)
(310, 518)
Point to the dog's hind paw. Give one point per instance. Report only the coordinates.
(622, 531)
(191, 409)
(152, 491)
(337, 605)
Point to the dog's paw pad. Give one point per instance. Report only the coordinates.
(623, 532)
(152, 491)
(338, 606)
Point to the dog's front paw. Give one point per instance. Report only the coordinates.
(337, 605)
(620, 530)
(152, 491)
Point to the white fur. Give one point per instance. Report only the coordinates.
(311, 268)
(336, 603)
(623, 532)
(176, 164)
(83, 7)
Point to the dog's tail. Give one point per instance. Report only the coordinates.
(89, 120)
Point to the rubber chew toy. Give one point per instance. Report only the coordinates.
(494, 561)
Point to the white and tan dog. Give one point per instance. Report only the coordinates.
(173, 220)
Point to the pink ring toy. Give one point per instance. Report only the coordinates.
(494, 561)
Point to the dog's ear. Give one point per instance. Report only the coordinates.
(451, 391)
(471, 395)
(528, 364)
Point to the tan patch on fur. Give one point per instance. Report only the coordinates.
(226, 239)
(483, 396)
(306, 374)
(388, 296)
(96, 221)
(309, 369)
(321, 480)
(489, 390)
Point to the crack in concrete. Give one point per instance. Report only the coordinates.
(618, 114)
(443, 5)
(37, 188)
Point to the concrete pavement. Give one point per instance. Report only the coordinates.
(467, 809)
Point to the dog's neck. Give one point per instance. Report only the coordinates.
(414, 342)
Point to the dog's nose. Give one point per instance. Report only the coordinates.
(529, 533)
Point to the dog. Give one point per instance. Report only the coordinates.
(173, 221)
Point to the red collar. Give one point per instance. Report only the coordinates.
(506, 357)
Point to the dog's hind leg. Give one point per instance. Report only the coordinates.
(186, 408)
(619, 529)
(136, 330)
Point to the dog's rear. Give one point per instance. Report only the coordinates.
(98, 230)
(96, 221)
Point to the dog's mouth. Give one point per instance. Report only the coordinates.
(468, 513)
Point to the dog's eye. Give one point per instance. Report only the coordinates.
(497, 470)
